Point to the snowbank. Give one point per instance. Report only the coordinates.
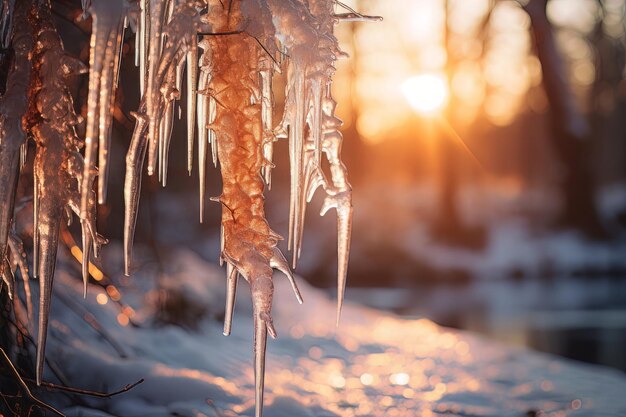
(375, 364)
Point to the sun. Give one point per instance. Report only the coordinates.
(426, 93)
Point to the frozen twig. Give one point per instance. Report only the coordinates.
(29, 399)
(86, 392)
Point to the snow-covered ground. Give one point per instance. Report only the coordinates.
(374, 364)
(517, 240)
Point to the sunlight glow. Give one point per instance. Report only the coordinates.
(426, 93)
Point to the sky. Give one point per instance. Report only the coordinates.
(494, 77)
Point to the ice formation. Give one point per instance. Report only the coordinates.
(225, 54)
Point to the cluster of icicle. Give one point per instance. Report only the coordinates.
(224, 53)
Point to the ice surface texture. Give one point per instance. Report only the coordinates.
(225, 55)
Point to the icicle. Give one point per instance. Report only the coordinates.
(343, 204)
(35, 225)
(171, 39)
(221, 244)
(279, 262)
(74, 205)
(267, 106)
(86, 242)
(143, 33)
(18, 255)
(132, 182)
(202, 119)
(23, 155)
(308, 76)
(156, 16)
(138, 23)
(7, 276)
(296, 151)
(58, 165)
(231, 294)
(353, 15)
(212, 137)
(7, 9)
(167, 128)
(202, 148)
(106, 39)
(296, 29)
(13, 106)
(260, 347)
(262, 292)
(192, 97)
(339, 194)
(47, 249)
(105, 109)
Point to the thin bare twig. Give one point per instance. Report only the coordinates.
(232, 32)
(34, 400)
(53, 367)
(90, 393)
(266, 50)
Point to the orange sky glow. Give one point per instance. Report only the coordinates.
(495, 77)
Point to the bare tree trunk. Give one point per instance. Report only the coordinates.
(449, 220)
(570, 130)
(449, 225)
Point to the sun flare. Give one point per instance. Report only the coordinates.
(426, 93)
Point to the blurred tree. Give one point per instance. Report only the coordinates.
(607, 98)
(570, 129)
(448, 224)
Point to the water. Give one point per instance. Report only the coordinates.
(582, 318)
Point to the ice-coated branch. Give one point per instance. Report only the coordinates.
(248, 241)
(13, 107)
(58, 165)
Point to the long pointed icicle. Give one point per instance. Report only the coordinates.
(106, 106)
(231, 294)
(18, 255)
(58, 164)
(315, 28)
(164, 60)
(279, 262)
(192, 98)
(13, 107)
(6, 274)
(203, 118)
(327, 138)
(339, 194)
(295, 19)
(132, 183)
(106, 38)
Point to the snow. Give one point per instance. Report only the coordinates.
(512, 244)
(516, 240)
(375, 364)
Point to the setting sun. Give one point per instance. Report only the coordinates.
(426, 93)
